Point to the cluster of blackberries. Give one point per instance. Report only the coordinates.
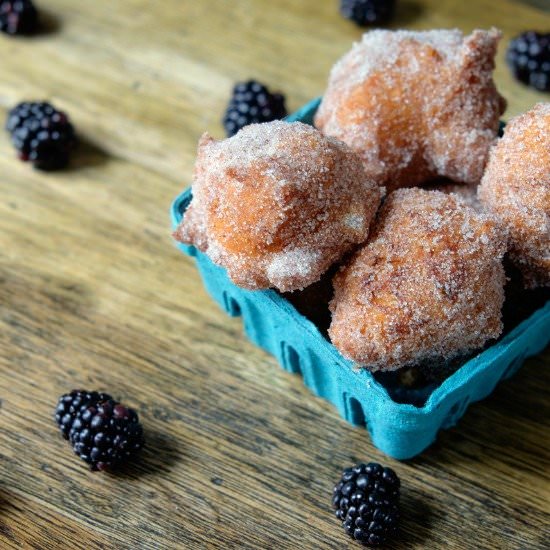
(41, 134)
(103, 432)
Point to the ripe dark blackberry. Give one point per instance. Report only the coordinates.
(106, 434)
(366, 500)
(41, 134)
(368, 12)
(252, 102)
(18, 17)
(528, 56)
(70, 405)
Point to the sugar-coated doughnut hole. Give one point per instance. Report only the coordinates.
(516, 188)
(429, 284)
(278, 204)
(416, 105)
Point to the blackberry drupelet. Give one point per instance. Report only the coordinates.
(18, 17)
(368, 12)
(528, 56)
(106, 434)
(250, 103)
(366, 500)
(70, 405)
(41, 134)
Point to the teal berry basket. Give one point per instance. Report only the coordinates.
(400, 430)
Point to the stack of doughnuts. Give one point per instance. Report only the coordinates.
(418, 270)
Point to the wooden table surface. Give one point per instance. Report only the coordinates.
(94, 294)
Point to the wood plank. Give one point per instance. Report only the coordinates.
(94, 294)
(48, 529)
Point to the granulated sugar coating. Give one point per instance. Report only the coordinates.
(428, 284)
(516, 187)
(468, 193)
(277, 204)
(416, 105)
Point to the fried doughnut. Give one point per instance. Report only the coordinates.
(277, 204)
(416, 105)
(516, 188)
(427, 285)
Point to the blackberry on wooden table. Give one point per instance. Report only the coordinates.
(368, 12)
(103, 432)
(41, 134)
(252, 102)
(366, 500)
(528, 56)
(18, 17)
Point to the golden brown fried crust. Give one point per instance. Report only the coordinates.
(277, 204)
(516, 188)
(429, 283)
(416, 105)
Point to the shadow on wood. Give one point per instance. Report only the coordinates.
(87, 155)
(406, 12)
(416, 520)
(159, 454)
(48, 22)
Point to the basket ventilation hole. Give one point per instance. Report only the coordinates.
(231, 305)
(291, 359)
(185, 203)
(355, 412)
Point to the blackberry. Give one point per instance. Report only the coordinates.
(366, 500)
(41, 134)
(70, 405)
(368, 12)
(106, 434)
(528, 56)
(18, 17)
(252, 102)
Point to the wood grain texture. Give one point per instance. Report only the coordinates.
(93, 294)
